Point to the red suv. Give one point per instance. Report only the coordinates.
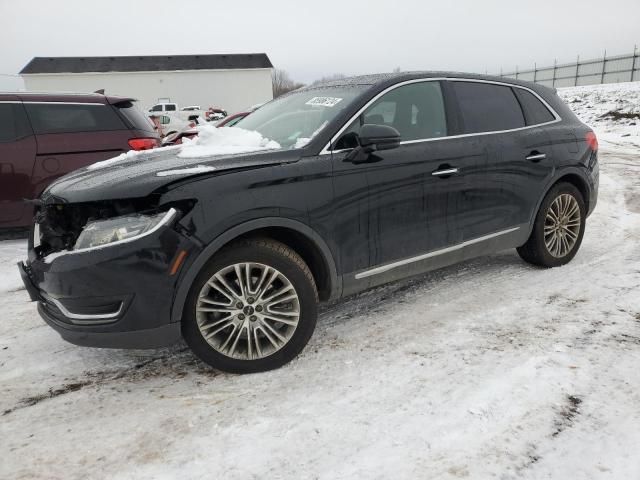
(44, 136)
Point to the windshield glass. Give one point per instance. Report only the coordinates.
(294, 119)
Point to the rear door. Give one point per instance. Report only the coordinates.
(502, 188)
(73, 135)
(17, 157)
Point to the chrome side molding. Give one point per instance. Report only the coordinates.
(435, 253)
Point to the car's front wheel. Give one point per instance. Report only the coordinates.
(558, 229)
(252, 308)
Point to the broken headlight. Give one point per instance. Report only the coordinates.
(121, 229)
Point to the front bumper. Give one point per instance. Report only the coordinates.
(116, 297)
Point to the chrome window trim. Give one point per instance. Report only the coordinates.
(327, 148)
(406, 261)
(169, 216)
(78, 317)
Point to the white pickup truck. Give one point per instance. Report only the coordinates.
(191, 112)
(169, 118)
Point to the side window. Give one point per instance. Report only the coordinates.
(66, 118)
(156, 108)
(416, 110)
(170, 107)
(486, 107)
(14, 122)
(534, 110)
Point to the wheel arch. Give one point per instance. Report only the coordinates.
(579, 182)
(296, 235)
(573, 176)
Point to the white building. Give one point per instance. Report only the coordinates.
(233, 82)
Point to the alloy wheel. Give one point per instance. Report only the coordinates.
(248, 311)
(562, 225)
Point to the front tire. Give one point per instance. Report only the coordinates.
(558, 229)
(252, 308)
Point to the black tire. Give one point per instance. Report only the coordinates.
(535, 250)
(275, 255)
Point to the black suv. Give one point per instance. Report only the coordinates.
(378, 178)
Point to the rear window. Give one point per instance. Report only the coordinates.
(170, 108)
(486, 107)
(68, 118)
(534, 110)
(14, 122)
(135, 117)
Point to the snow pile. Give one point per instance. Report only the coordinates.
(611, 104)
(224, 141)
(131, 154)
(612, 110)
(210, 141)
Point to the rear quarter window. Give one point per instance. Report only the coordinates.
(69, 118)
(487, 107)
(134, 117)
(13, 122)
(535, 111)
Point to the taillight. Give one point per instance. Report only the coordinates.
(143, 143)
(592, 141)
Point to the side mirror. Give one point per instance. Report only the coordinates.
(373, 137)
(378, 137)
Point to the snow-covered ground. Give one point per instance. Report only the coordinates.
(491, 368)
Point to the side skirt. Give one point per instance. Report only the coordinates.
(408, 267)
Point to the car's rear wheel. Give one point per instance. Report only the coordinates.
(558, 229)
(252, 308)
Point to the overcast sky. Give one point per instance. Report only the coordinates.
(313, 39)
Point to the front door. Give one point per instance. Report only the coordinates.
(399, 208)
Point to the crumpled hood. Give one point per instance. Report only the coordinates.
(139, 175)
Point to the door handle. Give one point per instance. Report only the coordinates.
(446, 172)
(536, 156)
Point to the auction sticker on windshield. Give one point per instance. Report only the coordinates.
(324, 101)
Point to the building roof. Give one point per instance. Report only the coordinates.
(155, 63)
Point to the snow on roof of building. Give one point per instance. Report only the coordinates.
(153, 63)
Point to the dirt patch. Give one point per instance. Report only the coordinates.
(176, 365)
(616, 115)
(51, 393)
(567, 414)
(624, 338)
(632, 201)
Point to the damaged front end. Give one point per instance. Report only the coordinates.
(104, 273)
(71, 227)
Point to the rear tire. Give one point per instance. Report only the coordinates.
(558, 229)
(231, 315)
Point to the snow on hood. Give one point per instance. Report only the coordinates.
(223, 141)
(185, 171)
(210, 141)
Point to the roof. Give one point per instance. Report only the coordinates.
(155, 63)
(64, 97)
(396, 77)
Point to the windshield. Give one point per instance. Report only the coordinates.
(294, 119)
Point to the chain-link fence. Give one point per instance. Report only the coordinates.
(620, 68)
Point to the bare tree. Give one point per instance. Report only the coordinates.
(328, 78)
(282, 83)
